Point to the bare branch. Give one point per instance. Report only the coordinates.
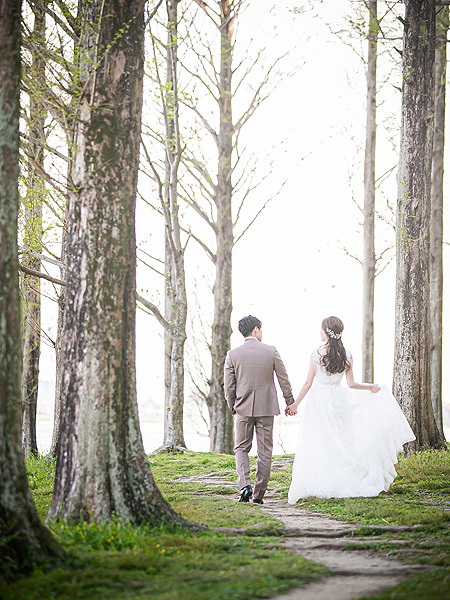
(34, 273)
(352, 255)
(152, 206)
(385, 175)
(195, 205)
(202, 170)
(150, 267)
(259, 212)
(257, 99)
(378, 272)
(152, 307)
(69, 17)
(53, 261)
(197, 76)
(251, 188)
(163, 203)
(155, 310)
(208, 11)
(153, 13)
(208, 251)
(247, 72)
(44, 146)
(207, 126)
(150, 256)
(46, 8)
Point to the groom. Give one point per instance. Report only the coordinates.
(252, 398)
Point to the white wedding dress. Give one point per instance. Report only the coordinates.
(348, 440)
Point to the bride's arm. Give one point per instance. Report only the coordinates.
(306, 386)
(373, 387)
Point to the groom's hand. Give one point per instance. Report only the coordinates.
(290, 412)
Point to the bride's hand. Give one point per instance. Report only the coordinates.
(374, 388)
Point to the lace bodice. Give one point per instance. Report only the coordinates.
(321, 374)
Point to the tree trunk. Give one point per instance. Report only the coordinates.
(369, 199)
(169, 315)
(58, 359)
(101, 466)
(221, 419)
(24, 538)
(59, 349)
(32, 242)
(412, 307)
(176, 299)
(31, 341)
(70, 119)
(436, 227)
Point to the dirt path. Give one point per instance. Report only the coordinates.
(315, 536)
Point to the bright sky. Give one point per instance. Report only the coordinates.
(291, 269)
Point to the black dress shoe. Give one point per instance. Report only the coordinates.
(246, 493)
(257, 501)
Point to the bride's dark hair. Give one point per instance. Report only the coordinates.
(335, 360)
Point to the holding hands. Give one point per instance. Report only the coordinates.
(291, 410)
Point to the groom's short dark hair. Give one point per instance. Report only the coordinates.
(248, 324)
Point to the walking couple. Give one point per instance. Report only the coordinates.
(348, 437)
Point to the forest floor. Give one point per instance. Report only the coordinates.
(395, 546)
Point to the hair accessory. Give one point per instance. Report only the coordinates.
(332, 334)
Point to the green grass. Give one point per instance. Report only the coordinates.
(171, 466)
(419, 496)
(203, 502)
(41, 472)
(118, 561)
(434, 585)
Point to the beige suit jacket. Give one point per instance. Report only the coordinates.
(249, 380)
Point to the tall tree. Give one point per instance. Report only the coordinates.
(436, 229)
(101, 466)
(175, 295)
(369, 260)
(54, 89)
(32, 242)
(221, 197)
(412, 306)
(221, 421)
(24, 538)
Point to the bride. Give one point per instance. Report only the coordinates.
(349, 438)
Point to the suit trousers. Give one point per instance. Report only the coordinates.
(245, 426)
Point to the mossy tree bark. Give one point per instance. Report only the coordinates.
(24, 538)
(412, 309)
(436, 228)
(101, 466)
(32, 217)
(369, 198)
